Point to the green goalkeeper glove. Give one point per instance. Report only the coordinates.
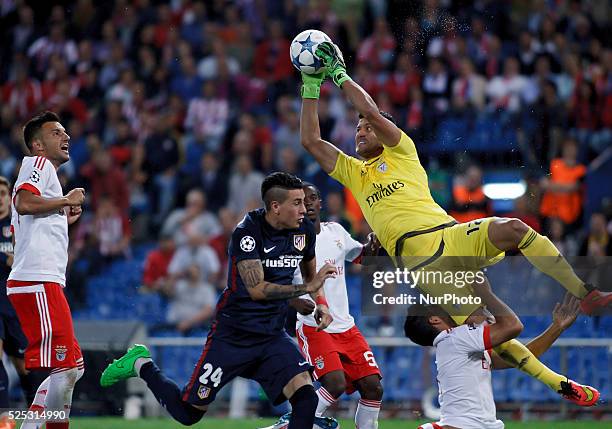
(332, 57)
(311, 87)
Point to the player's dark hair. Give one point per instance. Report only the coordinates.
(417, 327)
(312, 185)
(384, 114)
(5, 182)
(32, 127)
(275, 187)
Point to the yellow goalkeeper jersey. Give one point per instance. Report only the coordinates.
(393, 193)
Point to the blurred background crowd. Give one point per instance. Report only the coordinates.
(177, 110)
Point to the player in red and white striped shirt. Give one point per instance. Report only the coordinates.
(40, 219)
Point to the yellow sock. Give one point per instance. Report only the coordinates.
(543, 255)
(518, 356)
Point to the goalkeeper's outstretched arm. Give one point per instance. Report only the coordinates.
(324, 152)
(386, 131)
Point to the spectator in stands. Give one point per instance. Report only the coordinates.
(469, 201)
(106, 179)
(210, 66)
(551, 117)
(436, 90)
(55, 43)
(524, 212)
(65, 104)
(563, 193)
(469, 88)
(598, 242)
(480, 42)
(192, 301)
(187, 84)
(334, 210)
(584, 111)
(287, 136)
(111, 230)
(207, 116)
(23, 93)
(404, 78)
(210, 176)
(506, 92)
(377, 49)
(527, 51)
(24, 32)
(244, 186)
(193, 225)
(155, 276)
(112, 65)
(158, 165)
(272, 64)
(220, 242)
(187, 260)
(556, 234)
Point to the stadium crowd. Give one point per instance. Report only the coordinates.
(176, 111)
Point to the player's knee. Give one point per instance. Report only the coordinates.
(371, 390)
(71, 376)
(335, 384)
(304, 401)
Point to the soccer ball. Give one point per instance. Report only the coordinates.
(303, 48)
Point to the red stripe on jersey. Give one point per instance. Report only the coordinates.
(487, 337)
(38, 162)
(194, 376)
(28, 187)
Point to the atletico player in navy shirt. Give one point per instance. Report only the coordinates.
(247, 338)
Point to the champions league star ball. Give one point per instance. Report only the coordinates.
(303, 48)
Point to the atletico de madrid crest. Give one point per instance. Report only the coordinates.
(299, 241)
(203, 392)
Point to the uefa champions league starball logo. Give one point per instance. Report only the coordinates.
(247, 243)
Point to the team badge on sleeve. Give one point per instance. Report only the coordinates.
(247, 243)
(35, 176)
(299, 241)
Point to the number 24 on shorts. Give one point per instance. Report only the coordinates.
(214, 374)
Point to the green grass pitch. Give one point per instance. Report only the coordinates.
(117, 423)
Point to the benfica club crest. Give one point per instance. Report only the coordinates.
(319, 362)
(6, 231)
(299, 241)
(60, 353)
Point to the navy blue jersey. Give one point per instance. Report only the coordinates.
(280, 252)
(6, 247)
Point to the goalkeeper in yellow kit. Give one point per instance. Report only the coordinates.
(391, 188)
